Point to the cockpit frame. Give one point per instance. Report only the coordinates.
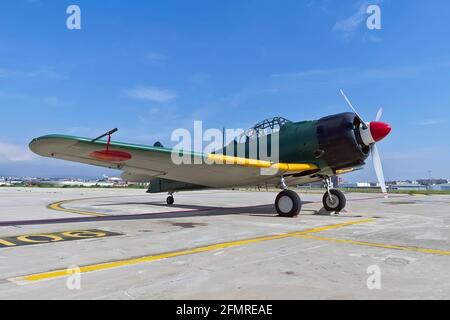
(264, 128)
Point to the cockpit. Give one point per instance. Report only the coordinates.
(263, 128)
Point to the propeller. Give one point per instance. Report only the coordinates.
(379, 114)
(371, 133)
(378, 168)
(353, 108)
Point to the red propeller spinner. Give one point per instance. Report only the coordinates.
(379, 130)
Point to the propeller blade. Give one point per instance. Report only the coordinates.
(379, 114)
(354, 110)
(378, 168)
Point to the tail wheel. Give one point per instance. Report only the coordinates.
(288, 204)
(170, 200)
(335, 201)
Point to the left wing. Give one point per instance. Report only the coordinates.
(146, 163)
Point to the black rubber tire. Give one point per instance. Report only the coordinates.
(293, 209)
(170, 200)
(338, 196)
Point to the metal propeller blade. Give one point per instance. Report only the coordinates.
(378, 168)
(379, 114)
(354, 110)
(373, 147)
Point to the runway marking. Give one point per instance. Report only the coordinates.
(44, 238)
(58, 207)
(128, 262)
(377, 245)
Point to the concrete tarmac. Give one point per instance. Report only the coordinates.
(126, 244)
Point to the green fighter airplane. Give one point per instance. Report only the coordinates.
(309, 151)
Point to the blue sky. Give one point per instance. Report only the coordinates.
(149, 67)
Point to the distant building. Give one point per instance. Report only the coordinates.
(116, 181)
(442, 187)
(109, 182)
(409, 187)
(11, 182)
(337, 181)
(352, 185)
(313, 185)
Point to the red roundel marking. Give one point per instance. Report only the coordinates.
(111, 155)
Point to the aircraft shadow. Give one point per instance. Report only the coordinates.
(202, 211)
(158, 204)
(182, 206)
(194, 211)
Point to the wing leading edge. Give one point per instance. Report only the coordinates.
(146, 163)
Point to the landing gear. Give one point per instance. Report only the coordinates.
(287, 203)
(333, 200)
(170, 199)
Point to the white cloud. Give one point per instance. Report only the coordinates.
(429, 122)
(40, 73)
(11, 152)
(304, 74)
(349, 25)
(154, 94)
(52, 101)
(361, 74)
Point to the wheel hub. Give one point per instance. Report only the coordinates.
(285, 204)
(332, 201)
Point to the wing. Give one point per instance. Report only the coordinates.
(146, 163)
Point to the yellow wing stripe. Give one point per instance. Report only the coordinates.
(290, 167)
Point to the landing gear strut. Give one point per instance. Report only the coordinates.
(333, 200)
(287, 203)
(170, 199)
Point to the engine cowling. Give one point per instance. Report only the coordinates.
(340, 142)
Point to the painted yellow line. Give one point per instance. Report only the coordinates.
(334, 226)
(122, 263)
(58, 207)
(377, 245)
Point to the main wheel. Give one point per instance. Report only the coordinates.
(336, 203)
(170, 200)
(288, 204)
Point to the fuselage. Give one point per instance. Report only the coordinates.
(333, 144)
